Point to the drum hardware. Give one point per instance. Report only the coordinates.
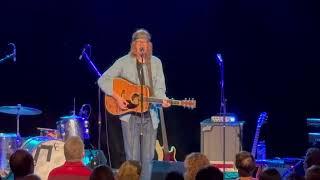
(18, 111)
(75, 125)
(9, 142)
(49, 132)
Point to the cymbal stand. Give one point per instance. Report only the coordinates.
(18, 120)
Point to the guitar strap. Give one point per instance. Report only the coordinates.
(141, 75)
(150, 76)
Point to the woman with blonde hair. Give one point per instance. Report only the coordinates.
(193, 163)
(129, 170)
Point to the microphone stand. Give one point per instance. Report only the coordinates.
(223, 108)
(98, 74)
(85, 56)
(9, 56)
(141, 105)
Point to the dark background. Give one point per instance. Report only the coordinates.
(270, 48)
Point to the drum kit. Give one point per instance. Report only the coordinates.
(47, 148)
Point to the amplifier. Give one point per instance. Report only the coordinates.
(212, 139)
(314, 138)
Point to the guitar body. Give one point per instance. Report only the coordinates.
(131, 93)
(165, 155)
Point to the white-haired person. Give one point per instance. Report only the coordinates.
(73, 168)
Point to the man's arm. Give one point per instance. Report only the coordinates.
(160, 84)
(105, 82)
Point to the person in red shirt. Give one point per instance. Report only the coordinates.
(73, 168)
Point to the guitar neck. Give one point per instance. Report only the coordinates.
(255, 142)
(159, 101)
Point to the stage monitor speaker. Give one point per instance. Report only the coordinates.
(161, 168)
(212, 140)
(94, 158)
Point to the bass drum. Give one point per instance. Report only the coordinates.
(48, 153)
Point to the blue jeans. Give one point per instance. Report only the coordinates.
(131, 139)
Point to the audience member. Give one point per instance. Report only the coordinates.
(129, 170)
(73, 168)
(102, 173)
(193, 163)
(21, 163)
(313, 173)
(312, 158)
(269, 174)
(245, 163)
(209, 173)
(32, 177)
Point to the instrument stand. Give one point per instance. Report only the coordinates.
(85, 56)
(223, 107)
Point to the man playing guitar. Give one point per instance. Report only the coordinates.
(139, 66)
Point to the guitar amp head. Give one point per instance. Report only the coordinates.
(222, 118)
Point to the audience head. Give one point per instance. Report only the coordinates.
(32, 177)
(270, 174)
(74, 149)
(174, 176)
(312, 158)
(313, 173)
(129, 170)
(21, 163)
(102, 173)
(193, 163)
(209, 173)
(245, 163)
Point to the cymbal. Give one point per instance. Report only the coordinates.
(21, 110)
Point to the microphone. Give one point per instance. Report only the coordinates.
(219, 58)
(84, 50)
(14, 54)
(141, 51)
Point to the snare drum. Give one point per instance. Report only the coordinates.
(9, 142)
(48, 153)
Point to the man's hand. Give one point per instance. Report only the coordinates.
(122, 103)
(166, 103)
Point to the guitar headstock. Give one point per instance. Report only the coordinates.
(189, 103)
(262, 118)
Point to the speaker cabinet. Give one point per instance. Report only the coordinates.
(212, 140)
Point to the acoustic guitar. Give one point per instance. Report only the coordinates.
(132, 94)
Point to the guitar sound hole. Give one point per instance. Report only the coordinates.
(131, 105)
(135, 99)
